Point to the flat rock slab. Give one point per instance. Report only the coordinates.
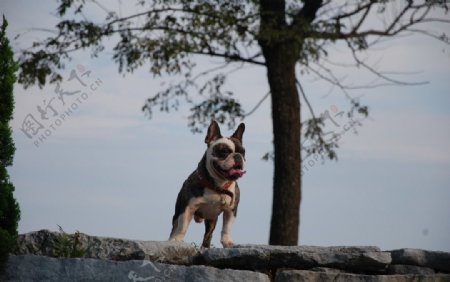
(305, 275)
(259, 257)
(409, 269)
(436, 260)
(40, 268)
(43, 243)
(337, 262)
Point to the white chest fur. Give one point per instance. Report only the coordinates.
(211, 204)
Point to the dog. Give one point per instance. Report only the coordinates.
(212, 188)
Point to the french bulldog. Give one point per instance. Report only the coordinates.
(212, 188)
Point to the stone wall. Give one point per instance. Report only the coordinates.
(111, 259)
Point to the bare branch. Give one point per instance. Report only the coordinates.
(308, 12)
(363, 17)
(397, 25)
(305, 98)
(442, 38)
(399, 16)
(257, 105)
(101, 6)
(354, 12)
(378, 73)
(154, 11)
(233, 58)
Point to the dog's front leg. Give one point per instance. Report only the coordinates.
(228, 219)
(210, 225)
(181, 224)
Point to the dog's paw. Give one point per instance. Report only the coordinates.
(176, 239)
(227, 242)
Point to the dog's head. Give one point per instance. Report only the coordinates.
(225, 157)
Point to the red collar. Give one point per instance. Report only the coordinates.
(227, 185)
(210, 185)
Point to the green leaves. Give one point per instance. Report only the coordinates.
(358, 108)
(315, 136)
(36, 67)
(7, 147)
(67, 4)
(215, 102)
(9, 208)
(222, 108)
(68, 245)
(167, 36)
(8, 68)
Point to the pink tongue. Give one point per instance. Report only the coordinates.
(236, 172)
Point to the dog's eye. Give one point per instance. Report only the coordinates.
(222, 152)
(241, 151)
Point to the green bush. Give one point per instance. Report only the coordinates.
(9, 209)
(69, 245)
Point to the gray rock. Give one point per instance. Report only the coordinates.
(40, 268)
(37, 243)
(254, 257)
(305, 275)
(114, 259)
(168, 252)
(326, 269)
(409, 269)
(439, 261)
(341, 249)
(43, 243)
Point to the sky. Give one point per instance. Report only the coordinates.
(102, 167)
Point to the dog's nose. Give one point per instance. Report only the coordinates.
(238, 158)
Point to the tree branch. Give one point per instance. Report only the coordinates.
(234, 58)
(363, 17)
(354, 12)
(395, 27)
(305, 98)
(377, 73)
(257, 105)
(308, 12)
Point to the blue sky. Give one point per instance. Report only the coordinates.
(108, 170)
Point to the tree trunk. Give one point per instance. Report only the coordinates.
(280, 61)
(281, 54)
(281, 43)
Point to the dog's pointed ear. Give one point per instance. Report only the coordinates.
(213, 132)
(239, 132)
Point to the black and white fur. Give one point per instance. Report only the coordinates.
(203, 195)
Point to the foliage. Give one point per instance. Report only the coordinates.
(68, 245)
(167, 35)
(9, 208)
